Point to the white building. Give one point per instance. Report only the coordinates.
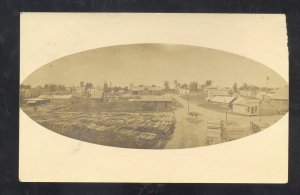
(246, 106)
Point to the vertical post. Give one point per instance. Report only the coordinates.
(188, 99)
(226, 120)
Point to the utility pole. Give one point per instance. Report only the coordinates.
(188, 99)
(226, 119)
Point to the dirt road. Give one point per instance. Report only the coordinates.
(188, 134)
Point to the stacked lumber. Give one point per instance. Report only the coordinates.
(123, 129)
(213, 131)
(233, 131)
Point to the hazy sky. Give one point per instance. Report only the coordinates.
(153, 64)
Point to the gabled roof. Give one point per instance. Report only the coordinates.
(223, 99)
(281, 94)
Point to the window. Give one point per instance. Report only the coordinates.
(255, 108)
(248, 108)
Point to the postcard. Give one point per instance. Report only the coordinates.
(153, 98)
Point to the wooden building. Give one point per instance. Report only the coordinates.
(246, 106)
(155, 103)
(280, 98)
(222, 101)
(155, 90)
(137, 91)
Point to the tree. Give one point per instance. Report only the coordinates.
(167, 85)
(234, 87)
(184, 86)
(131, 85)
(194, 86)
(88, 85)
(244, 86)
(175, 82)
(208, 82)
(105, 86)
(81, 84)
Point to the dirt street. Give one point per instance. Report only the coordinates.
(189, 133)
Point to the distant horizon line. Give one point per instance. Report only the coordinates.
(158, 85)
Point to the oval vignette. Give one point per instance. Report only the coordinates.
(154, 96)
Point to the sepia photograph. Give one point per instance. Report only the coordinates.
(154, 96)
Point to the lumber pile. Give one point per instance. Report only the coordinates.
(233, 131)
(121, 129)
(213, 131)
